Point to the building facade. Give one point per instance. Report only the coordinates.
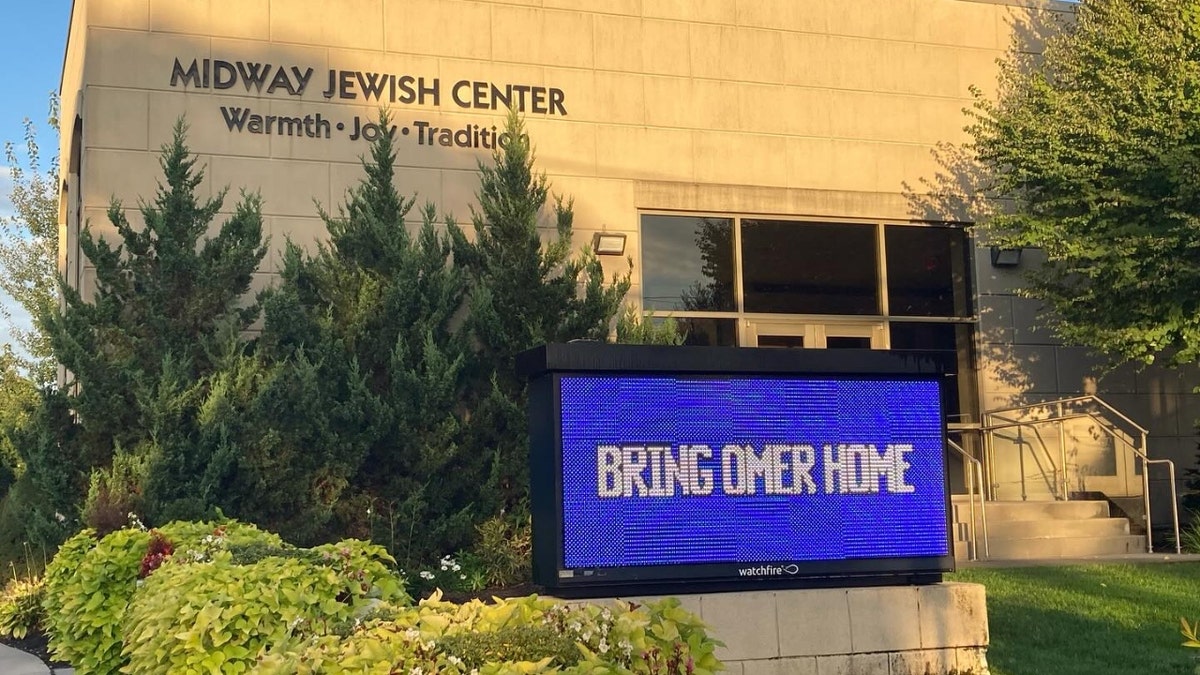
(782, 173)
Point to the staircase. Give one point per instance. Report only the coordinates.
(1044, 529)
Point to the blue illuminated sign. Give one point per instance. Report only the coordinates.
(763, 474)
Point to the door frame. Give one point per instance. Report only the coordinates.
(815, 330)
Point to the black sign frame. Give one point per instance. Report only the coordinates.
(544, 366)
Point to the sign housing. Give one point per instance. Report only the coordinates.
(655, 467)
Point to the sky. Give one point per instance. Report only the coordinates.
(33, 35)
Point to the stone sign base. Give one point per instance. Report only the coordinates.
(939, 629)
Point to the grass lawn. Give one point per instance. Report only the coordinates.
(1093, 620)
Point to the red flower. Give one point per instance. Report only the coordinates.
(157, 552)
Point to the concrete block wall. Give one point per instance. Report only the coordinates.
(1022, 362)
(893, 630)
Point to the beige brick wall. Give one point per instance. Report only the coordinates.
(821, 96)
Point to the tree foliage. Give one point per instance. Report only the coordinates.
(142, 343)
(377, 361)
(380, 398)
(29, 247)
(1097, 145)
(523, 292)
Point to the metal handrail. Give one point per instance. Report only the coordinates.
(1055, 487)
(977, 475)
(1074, 399)
(1103, 422)
(1146, 486)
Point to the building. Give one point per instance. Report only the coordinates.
(780, 172)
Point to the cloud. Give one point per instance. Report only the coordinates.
(6, 186)
(20, 320)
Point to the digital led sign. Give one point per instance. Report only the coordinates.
(766, 467)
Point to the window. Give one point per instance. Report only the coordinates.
(791, 283)
(926, 270)
(809, 268)
(687, 264)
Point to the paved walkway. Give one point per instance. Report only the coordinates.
(16, 662)
(1125, 558)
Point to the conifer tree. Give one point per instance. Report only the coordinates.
(373, 315)
(523, 292)
(163, 297)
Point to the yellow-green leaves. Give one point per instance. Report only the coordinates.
(516, 636)
(21, 606)
(1189, 632)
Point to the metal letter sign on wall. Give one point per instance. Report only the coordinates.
(739, 468)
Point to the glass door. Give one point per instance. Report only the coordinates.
(813, 334)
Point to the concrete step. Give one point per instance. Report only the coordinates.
(1040, 529)
(1064, 547)
(1025, 530)
(1023, 511)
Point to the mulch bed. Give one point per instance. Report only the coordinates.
(486, 595)
(34, 643)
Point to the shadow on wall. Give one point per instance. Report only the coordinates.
(1021, 362)
(962, 191)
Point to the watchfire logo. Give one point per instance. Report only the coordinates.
(768, 571)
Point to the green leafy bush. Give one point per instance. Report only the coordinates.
(1192, 633)
(61, 570)
(21, 606)
(86, 602)
(505, 550)
(90, 583)
(524, 635)
(636, 328)
(448, 575)
(1189, 534)
(115, 493)
(217, 615)
(512, 643)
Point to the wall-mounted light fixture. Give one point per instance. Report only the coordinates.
(1006, 257)
(608, 243)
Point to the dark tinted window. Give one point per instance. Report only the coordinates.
(687, 263)
(809, 268)
(951, 338)
(926, 268)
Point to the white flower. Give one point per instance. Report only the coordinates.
(60, 517)
(427, 575)
(412, 633)
(603, 646)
